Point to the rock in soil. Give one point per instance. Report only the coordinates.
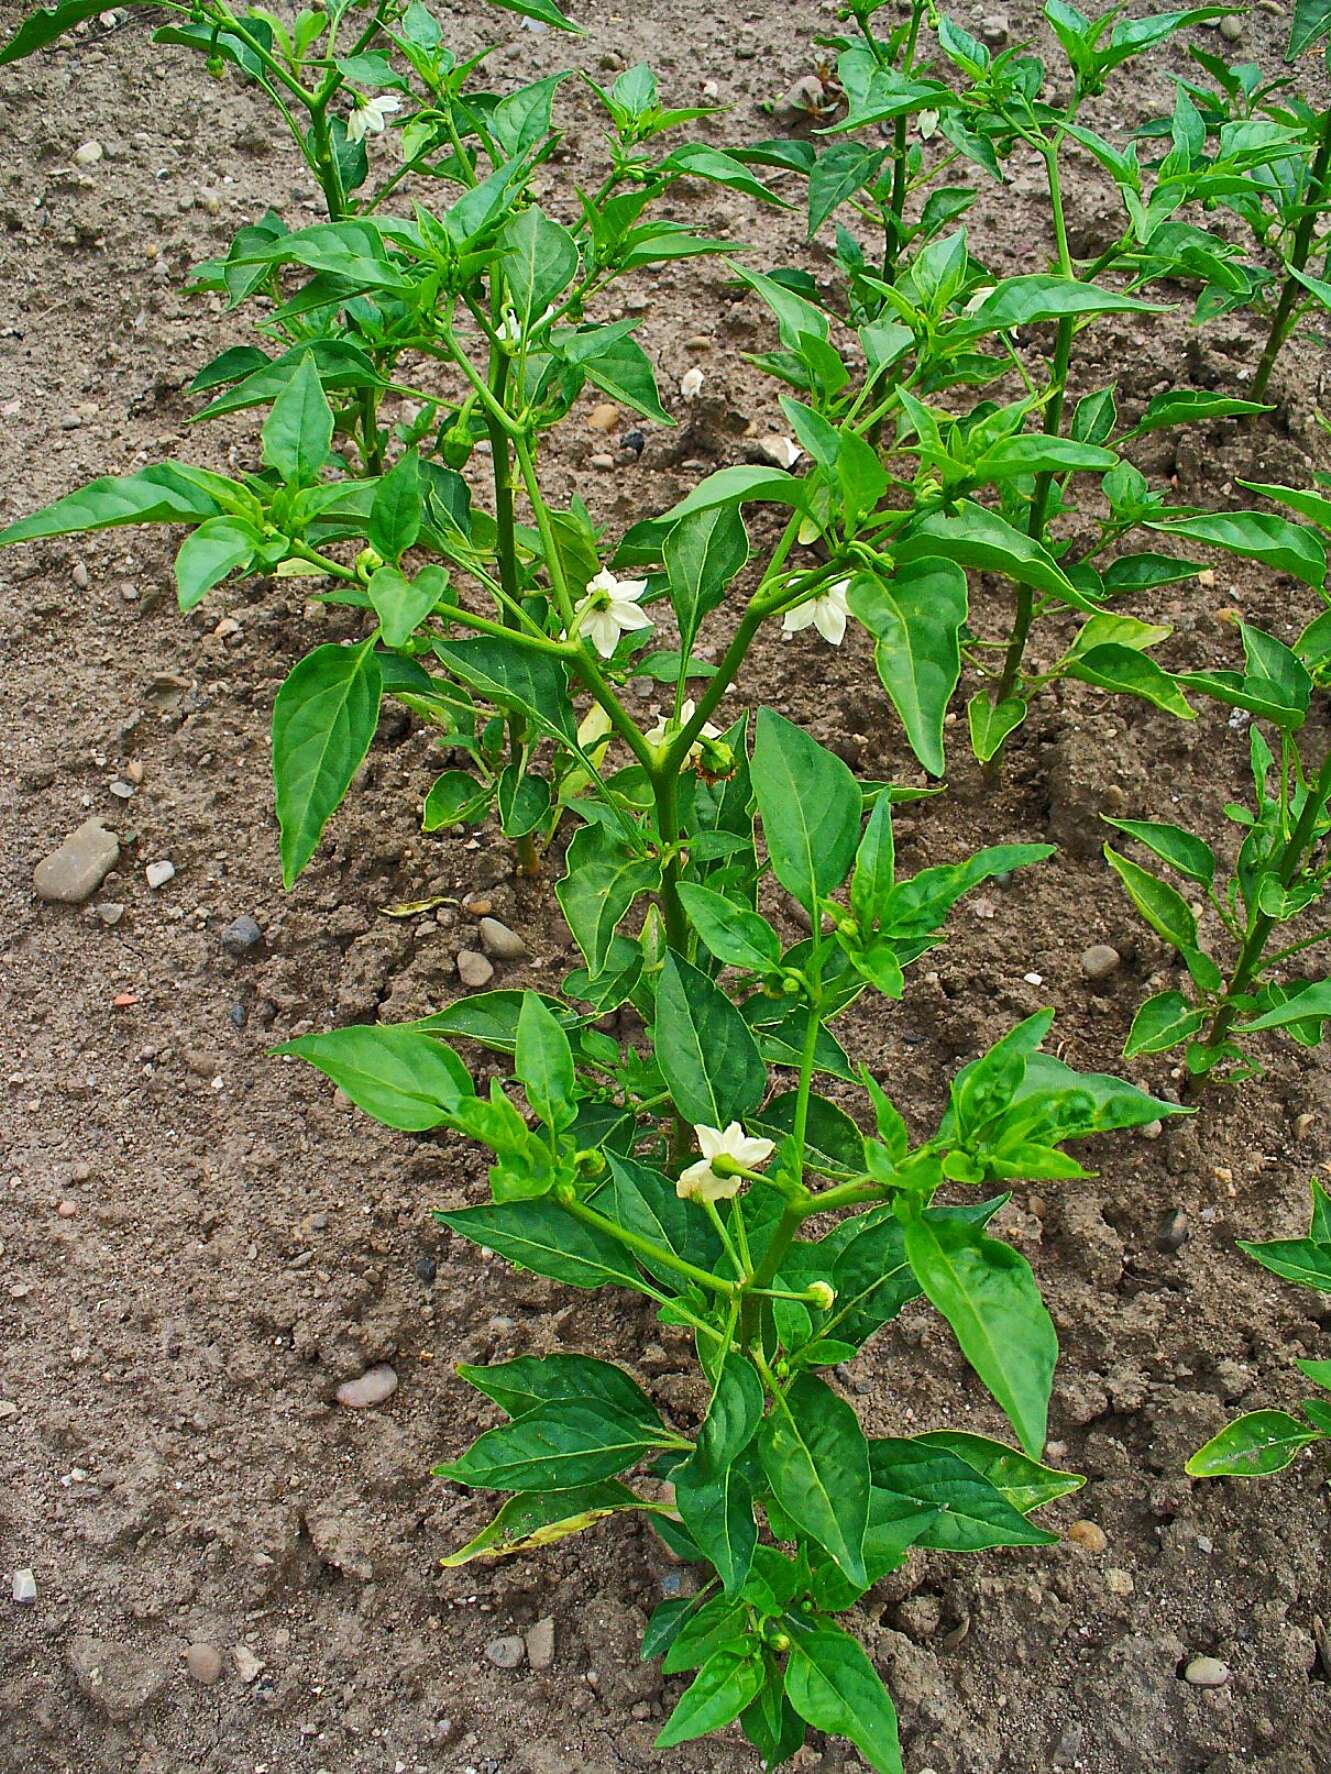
(204, 1663)
(116, 1678)
(501, 943)
(506, 1652)
(541, 1644)
(77, 869)
(1100, 960)
(474, 970)
(1206, 1672)
(375, 1386)
(157, 874)
(241, 937)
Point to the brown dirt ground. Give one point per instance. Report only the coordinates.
(241, 1243)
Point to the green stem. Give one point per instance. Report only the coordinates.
(645, 1247)
(1283, 320)
(501, 467)
(1291, 861)
(753, 1313)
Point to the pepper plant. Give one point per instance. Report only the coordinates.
(720, 1170)
(1261, 1442)
(1281, 196)
(931, 320)
(1280, 877)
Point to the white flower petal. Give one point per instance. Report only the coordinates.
(603, 581)
(798, 618)
(628, 615)
(603, 631)
(711, 1140)
(829, 618)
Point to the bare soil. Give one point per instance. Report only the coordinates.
(234, 1241)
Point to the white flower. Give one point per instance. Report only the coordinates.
(509, 330)
(371, 116)
(691, 384)
(701, 1183)
(827, 613)
(665, 729)
(610, 609)
(927, 124)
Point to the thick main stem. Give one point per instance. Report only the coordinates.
(1291, 861)
(1283, 320)
(506, 544)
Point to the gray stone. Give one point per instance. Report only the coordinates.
(541, 1643)
(1174, 1232)
(1100, 960)
(241, 937)
(110, 912)
(25, 1583)
(1206, 1672)
(204, 1663)
(116, 1678)
(473, 969)
(995, 29)
(77, 869)
(375, 1386)
(500, 942)
(1231, 28)
(506, 1652)
(157, 874)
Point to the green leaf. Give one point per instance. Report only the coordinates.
(720, 1691)
(1254, 1445)
(298, 432)
(696, 160)
(1161, 1023)
(528, 1381)
(527, 1523)
(603, 882)
(539, 259)
(543, 1062)
(991, 723)
(402, 1078)
(1191, 856)
(703, 553)
(707, 1055)
(209, 554)
(873, 1281)
(973, 536)
(816, 1460)
(716, 1508)
(165, 494)
(875, 866)
(833, 1686)
(623, 370)
(455, 798)
(563, 1442)
(916, 618)
(1302, 1260)
(545, 12)
(542, 1236)
(1126, 671)
(1189, 406)
(1027, 301)
(989, 1296)
(832, 1141)
(1259, 536)
(735, 935)
(1162, 906)
(837, 174)
(1311, 1001)
(810, 805)
(513, 677)
(1311, 21)
(324, 718)
(1021, 1481)
(398, 510)
(1035, 453)
(402, 604)
(46, 24)
(973, 1514)
(641, 1200)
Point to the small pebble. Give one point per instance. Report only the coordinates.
(89, 153)
(1033, 979)
(157, 874)
(204, 1663)
(501, 943)
(506, 1652)
(247, 1664)
(604, 417)
(1174, 1232)
(7, 1409)
(375, 1386)
(110, 912)
(241, 937)
(1152, 1130)
(473, 969)
(68, 1209)
(1100, 960)
(123, 791)
(780, 452)
(995, 29)
(636, 441)
(426, 1269)
(1206, 1672)
(691, 382)
(541, 1644)
(25, 1587)
(1088, 1535)
(601, 462)
(77, 869)
(1231, 28)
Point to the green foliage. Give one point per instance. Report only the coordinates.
(1261, 1442)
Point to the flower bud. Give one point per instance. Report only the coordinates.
(821, 1295)
(368, 561)
(565, 1194)
(589, 1162)
(456, 446)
